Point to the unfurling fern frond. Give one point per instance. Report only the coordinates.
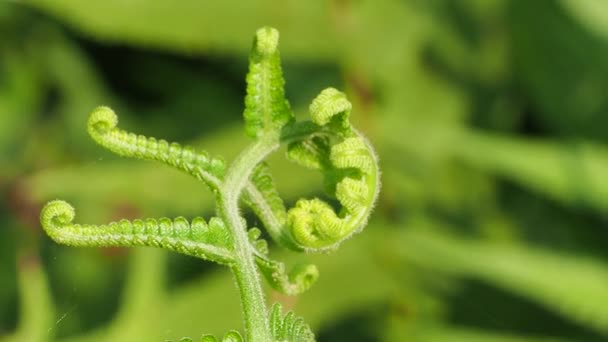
(198, 238)
(102, 127)
(331, 108)
(350, 169)
(289, 328)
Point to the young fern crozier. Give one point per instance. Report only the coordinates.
(327, 143)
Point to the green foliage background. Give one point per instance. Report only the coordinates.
(489, 117)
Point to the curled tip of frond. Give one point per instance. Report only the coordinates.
(102, 127)
(56, 214)
(329, 104)
(351, 175)
(266, 40)
(210, 241)
(304, 275)
(102, 119)
(314, 224)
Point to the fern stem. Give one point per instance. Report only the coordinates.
(244, 269)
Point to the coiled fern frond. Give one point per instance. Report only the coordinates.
(102, 127)
(350, 168)
(210, 241)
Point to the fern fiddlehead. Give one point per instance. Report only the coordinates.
(197, 238)
(102, 127)
(350, 167)
(327, 143)
(351, 175)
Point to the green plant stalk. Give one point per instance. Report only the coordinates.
(244, 269)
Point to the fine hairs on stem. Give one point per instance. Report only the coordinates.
(327, 143)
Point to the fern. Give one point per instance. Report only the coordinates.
(102, 127)
(289, 327)
(283, 328)
(197, 238)
(327, 143)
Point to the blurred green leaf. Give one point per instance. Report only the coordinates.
(590, 13)
(573, 173)
(573, 285)
(450, 334)
(37, 310)
(20, 95)
(566, 80)
(143, 296)
(192, 27)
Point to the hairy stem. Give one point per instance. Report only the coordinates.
(244, 269)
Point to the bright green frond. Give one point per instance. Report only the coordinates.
(289, 327)
(102, 127)
(209, 241)
(266, 109)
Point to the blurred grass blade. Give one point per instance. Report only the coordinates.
(450, 334)
(37, 309)
(142, 302)
(192, 26)
(574, 174)
(592, 14)
(562, 68)
(574, 286)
